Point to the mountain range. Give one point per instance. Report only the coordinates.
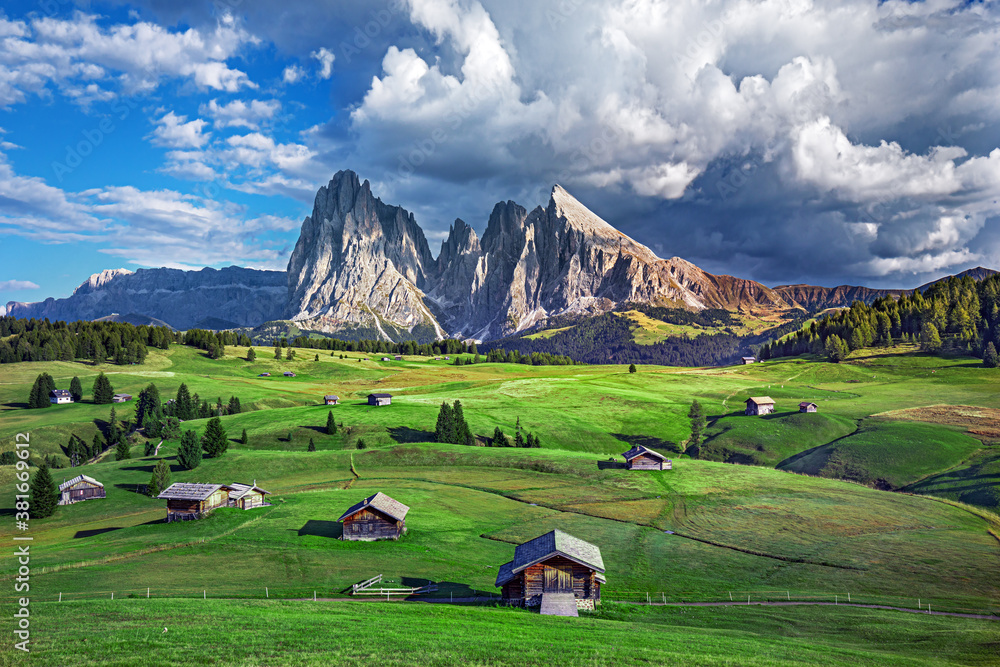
(363, 269)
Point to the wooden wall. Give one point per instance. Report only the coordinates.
(644, 462)
(370, 525)
(529, 585)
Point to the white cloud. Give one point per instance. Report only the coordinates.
(325, 58)
(239, 113)
(292, 74)
(176, 131)
(14, 285)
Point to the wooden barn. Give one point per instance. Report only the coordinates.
(553, 570)
(749, 360)
(759, 406)
(379, 399)
(121, 398)
(59, 396)
(805, 406)
(192, 501)
(377, 517)
(644, 458)
(247, 496)
(398, 358)
(289, 374)
(80, 488)
(330, 399)
(385, 358)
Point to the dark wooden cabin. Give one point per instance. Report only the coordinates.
(759, 406)
(644, 458)
(377, 517)
(247, 496)
(379, 399)
(554, 563)
(80, 488)
(748, 360)
(192, 501)
(805, 406)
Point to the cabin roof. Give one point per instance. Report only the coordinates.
(77, 480)
(382, 503)
(59, 393)
(331, 397)
(806, 404)
(543, 547)
(639, 450)
(760, 400)
(750, 358)
(240, 490)
(380, 395)
(189, 491)
(123, 395)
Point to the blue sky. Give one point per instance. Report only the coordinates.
(784, 140)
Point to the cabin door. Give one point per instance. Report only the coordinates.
(558, 578)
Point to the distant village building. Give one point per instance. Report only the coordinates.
(289, 374)
(377, 517)
(759, 406)
(59, 396)
(379, 399)
(247, 496)
(121, 398)
(807, 407)
(437, 358)
(264, 375)
(80, 488)
(552, 570)
(749, 360)
(644, 458)
(385, 358)
(192, 501)
(398, 358)
(330, 399)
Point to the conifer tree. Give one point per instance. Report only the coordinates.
(183, 403)
(76, 389)
(234, 407)
(122, 449)
(499, 439)
(331, 423)
(519, 439)
(35, 397)
(214, 441)
(930, 338)
(312, 446)
(444, 431)
(463, 434)
(44, 494)
(697, 416)
(97, 446)
(277, 352)
(361, 444)
(631, 368)
(990, 358)
(243, 438)
(160, 479)
(251, 355)
(189, 453)
(103, 391)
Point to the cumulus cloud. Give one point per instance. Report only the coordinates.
(14, 285)
(292, 74)
(239, 113)
(325, 58)
(178, 132)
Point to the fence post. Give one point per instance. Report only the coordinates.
(147, 592)
(836, 599)
(60, 596)
(314, 596)
(748, 600)
(928, 607)
(664, 597)
(204, 595)
(848, 598)
(266, 594)
(112, 595)
(730, 596)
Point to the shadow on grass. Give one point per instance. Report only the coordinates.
(321, 528)
(403, 434)
(611, 465)
(16, 405)
(174, 467)
(648, 441)
(319, 429)
(139, 489)
(96, 531)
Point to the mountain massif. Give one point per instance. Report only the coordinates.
(363, 269)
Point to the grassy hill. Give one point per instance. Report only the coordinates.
(771, 439)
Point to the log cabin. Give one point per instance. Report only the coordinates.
(330, 399)
(749, 360)
(555, 563)
(247, 496)
(60, 396)
(192, 501)
(644, 458)
(377, 517)
(121, 398)
(805, 406)
(759, 406)
(80, 488)
(379, 399)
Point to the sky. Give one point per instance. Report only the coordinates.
(787, 141)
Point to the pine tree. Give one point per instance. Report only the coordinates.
(251, 355)
(189, 453)
(103, 391)
(499, 439)
(183, 403)
(331, 423)
(234, 406)
(243, 438)
(361, 444)
(277, 352)
(836, 349)
(990, 358)
(444, 431)
(462, 434)
(76, 389)
(214, 442)
(697, 416)
(114, 428)
(122, 449)
(97, 446)
(631, 368)
(930, 339)
(312, 446)
(36, 399)
(44, 496)
(170, 428)
(317, 358)
(519, 439)
(160, 479)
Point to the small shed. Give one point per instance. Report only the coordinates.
(437, 358)
(805, 406)
(289, 374)
(553, 564)
(247, 496)
(398, 358)
(264, 375)
(121, 398)
(447, 358)
(330, 399)
(379, 399)
(759, 406)
(81, 487)
(192, 501)
(377, 517)
(385, 358)
(749, 360)
(644, 458)
(59, 396)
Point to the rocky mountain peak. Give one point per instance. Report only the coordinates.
(99, 280)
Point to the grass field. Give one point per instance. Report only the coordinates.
(702, 531)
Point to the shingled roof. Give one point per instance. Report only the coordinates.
(188, 491)
(77, 480)
(240, 490)
(760, 400)
(638, 450)
(381, 503)
(553, 543)
(380, 395)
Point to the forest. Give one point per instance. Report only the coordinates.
(41, 340)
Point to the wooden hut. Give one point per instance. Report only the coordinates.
(80, 488)
(557, 565)
(644, 458)
(121, 398)
(398, 358)
(759, 406)
(379, 399)
(192, 501)
(247, 496)
(749, 360)
(330, 399)
(805, 406)
(377, 517)
(289, 374)
(60, 396)
(385, 358)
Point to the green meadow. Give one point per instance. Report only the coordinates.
(806, 520)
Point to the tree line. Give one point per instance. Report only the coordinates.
(40, 340)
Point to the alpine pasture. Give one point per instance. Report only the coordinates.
(792, 526)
